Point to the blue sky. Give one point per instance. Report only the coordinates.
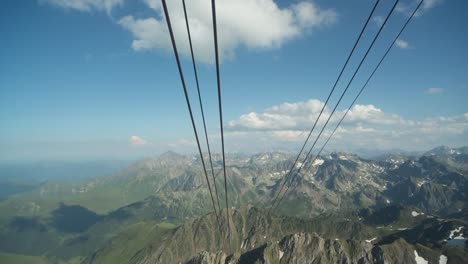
(96, 78)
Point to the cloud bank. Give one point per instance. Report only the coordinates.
(365, 126)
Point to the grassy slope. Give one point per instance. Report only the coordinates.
(119, 250)
(101, 200)
(8, 258)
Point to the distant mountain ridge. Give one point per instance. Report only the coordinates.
(336, 180)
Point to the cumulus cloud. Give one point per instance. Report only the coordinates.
(149, 33)
(365, 126)
(434, 90)
(300, 115)
(308, 15)
(137, 141)
(86, 5)
(253, 24)
(371, 115)
(402, 44)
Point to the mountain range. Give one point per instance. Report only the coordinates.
(395, 208)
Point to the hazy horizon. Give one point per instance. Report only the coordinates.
(362, 152)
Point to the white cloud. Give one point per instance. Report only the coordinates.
(279, 117)
(300, 115)
(402, 44)
(408, 6)
(86, 5)
(137, 141)
(366, 126)
(254, 24)
(147, 32)
(428, 4)
(251, 24)
(434, 90)
(371, 115)
(378, 20)
(310, 15)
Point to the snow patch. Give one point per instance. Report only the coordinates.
(419, 259)
(370, 240)
(343, 158)
(443, 259)
(414, 213)
(387, 201)
(403, 228)
(395, 161)
(281, 253)
(421, 183)
(318, 162)
(456, 230)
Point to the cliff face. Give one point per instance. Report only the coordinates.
(260, 237)
(311, 248)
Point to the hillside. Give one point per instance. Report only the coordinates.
(261, 237)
